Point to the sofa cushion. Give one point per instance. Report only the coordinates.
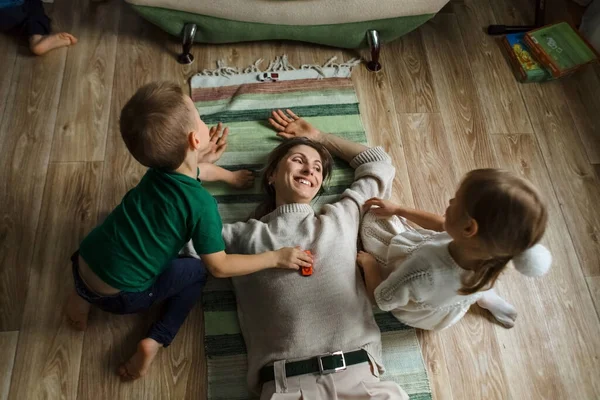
(300, 12)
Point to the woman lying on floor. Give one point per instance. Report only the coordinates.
(288, 320)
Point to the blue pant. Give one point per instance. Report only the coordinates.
(179, 287)
(26, 19)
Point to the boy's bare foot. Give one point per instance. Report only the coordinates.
(503, 311)
(41, 44)
(77, 310)
(242, 179)
(138, 365)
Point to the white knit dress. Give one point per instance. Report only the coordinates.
(421, 279)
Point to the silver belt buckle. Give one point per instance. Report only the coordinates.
(334, 370)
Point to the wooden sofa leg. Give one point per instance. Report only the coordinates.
(375, 45)
(189, 31)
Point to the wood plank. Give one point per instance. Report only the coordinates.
(49, 352)
(597, 169)
(8, 344)
(501, 101)
(551, 308)
(565, 157)
(433, 179)
(405, 62)
(594, 287)
(27, 131)
(377, 110)
(434, 183)
(564, 154)
(432, 348)
(178, 372)
(456, 94)
(470, 147)
(8, 49)
(583, 91)
(82, 119)
(514, 12)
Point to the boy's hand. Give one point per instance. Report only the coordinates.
(292, 258)
(366, 260)
(216, 145)
(384, 208)
(290, 126)
(242, 179)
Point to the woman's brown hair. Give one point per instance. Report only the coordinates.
(511, 218)
(278, 153)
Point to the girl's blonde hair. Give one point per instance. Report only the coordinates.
(511, 218)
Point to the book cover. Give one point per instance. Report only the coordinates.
(524, 65)
(560, 48)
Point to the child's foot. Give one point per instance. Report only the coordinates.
(77, 310)
(242, 179)
(366, 260)
(138, 365)
(41, 44)
(503, 311)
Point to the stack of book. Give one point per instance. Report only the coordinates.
(547, 53)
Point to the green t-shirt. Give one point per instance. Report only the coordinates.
(146, 231)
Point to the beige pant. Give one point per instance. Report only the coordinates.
(355, 383)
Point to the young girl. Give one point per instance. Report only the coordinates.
(430, 277)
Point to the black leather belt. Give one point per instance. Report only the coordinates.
(324, 364)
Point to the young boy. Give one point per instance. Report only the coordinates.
(27, 18)
(130, 261)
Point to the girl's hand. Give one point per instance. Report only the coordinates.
(292, 258)
(366, 260)
(384, 208)
(290, 126)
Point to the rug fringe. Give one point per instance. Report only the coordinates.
(280, 63)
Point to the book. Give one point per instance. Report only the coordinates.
(524, 66)
(560, 48)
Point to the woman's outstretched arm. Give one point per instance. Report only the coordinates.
(289, 125)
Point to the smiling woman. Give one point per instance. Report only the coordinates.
(295, 173)
(298, 330)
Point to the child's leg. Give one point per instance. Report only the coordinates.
(503, 311)
(11, 18)
(180, 286)
(37, 28)
(78, 306)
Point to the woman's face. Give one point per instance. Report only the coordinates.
(298, 176)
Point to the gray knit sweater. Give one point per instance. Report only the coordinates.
(285, 316)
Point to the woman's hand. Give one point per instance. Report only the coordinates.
(289, 126)
(384, 208)
(216, 145)
(292, 258)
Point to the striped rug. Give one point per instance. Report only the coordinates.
(244, 104)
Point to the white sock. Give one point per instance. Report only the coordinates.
(503, 311)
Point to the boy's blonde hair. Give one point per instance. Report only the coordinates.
(511, 218)
(155, 123)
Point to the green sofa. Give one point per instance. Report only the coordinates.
(338, 23)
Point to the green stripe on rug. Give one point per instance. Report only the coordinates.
(228, 117)
(245, 110)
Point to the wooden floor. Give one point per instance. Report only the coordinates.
(446, 102)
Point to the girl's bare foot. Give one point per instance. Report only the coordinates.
(77, 310)
(366, 260)
(503, 311)
(137, 366)
(41, 44)
(242, 179)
